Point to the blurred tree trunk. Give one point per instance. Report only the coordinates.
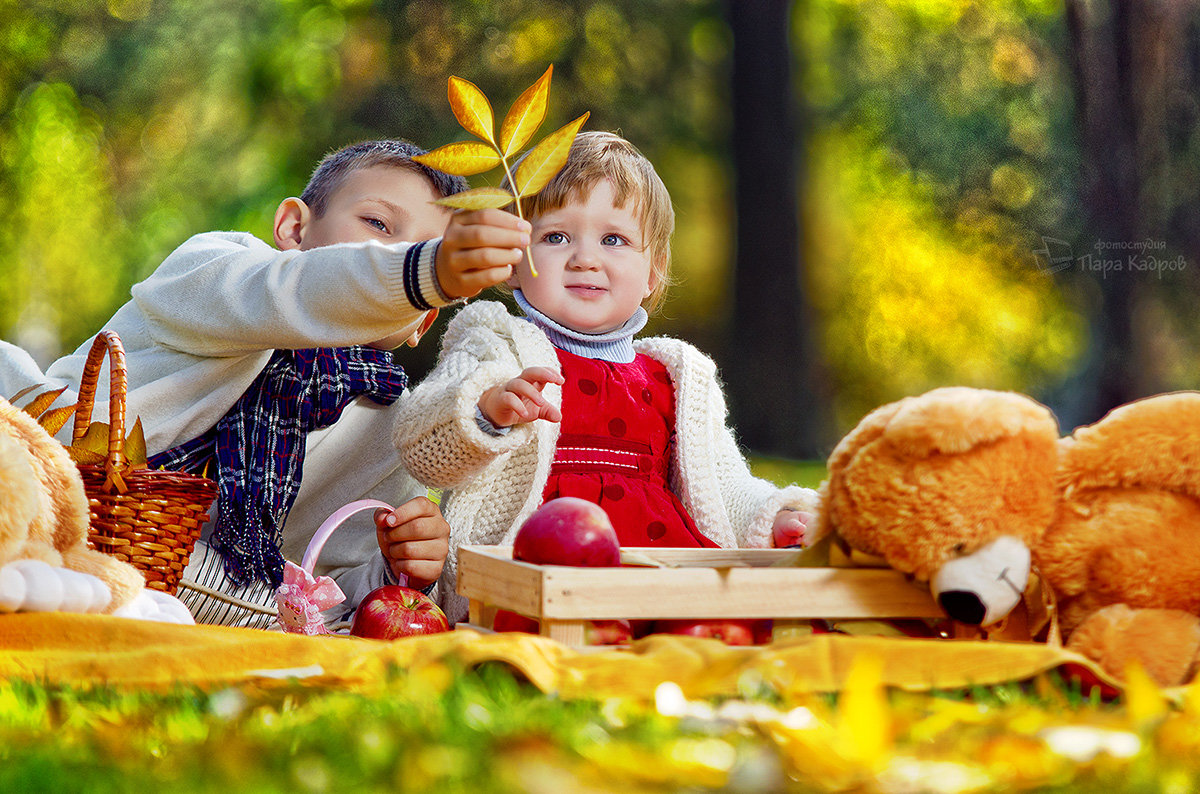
(1124, 56)
(771, 369)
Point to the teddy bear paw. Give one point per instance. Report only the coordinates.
(157, 606)
(1165, 642)
(35, 586)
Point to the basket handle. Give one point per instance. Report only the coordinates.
(106, 341)
(333, 522)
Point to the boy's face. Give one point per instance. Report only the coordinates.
(593, 267)
(383, 203)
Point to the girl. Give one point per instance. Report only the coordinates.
(564, 402)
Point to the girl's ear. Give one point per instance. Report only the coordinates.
(653, 282)
(291, 222)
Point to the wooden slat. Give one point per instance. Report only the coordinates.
(696, 558)
(563, 593)
(568, 632)
(732, 592)
(499, 581)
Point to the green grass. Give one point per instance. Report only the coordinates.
(781, 471)
(445, 730)
(486, 730)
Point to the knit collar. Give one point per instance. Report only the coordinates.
(615, 345)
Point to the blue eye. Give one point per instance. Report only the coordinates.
(555, 238)
(378, 224)
(613, 239)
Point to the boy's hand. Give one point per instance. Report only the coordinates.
(479, 249)
(793, 529)
(414, 539)
(521, 400)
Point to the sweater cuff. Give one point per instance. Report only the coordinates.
(390, 578)
(485, 424)
(421, 285)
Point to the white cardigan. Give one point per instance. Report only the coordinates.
(199, 330)
(493, 483)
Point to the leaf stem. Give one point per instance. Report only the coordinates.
(517, 201)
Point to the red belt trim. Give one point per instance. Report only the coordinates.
(578, 453)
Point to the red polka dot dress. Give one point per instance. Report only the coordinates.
(614, 449)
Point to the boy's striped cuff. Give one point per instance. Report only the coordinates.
(421, 285)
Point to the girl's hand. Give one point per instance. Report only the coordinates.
(793, 529)
(414, 539)
(521, 400)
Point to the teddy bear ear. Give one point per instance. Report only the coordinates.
(870, 428)
(956, 419)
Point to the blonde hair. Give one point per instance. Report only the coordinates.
(602, 155)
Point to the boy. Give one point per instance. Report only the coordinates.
(270, 363)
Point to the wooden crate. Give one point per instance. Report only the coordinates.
(705, 583)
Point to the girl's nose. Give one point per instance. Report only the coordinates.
(584, 257)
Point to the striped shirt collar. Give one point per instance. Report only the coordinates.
(615, 345)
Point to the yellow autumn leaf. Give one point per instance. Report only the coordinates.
(1144, 701)
(135, 446)
(472, 109)
(94, 440)
(53, 420)
(544, 160)
(864, 718)
(38, 405)
(85, 456)
(461, 159)
(477, 199)
(526, 115)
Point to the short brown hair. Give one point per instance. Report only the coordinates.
(336, 166)
(599, 155)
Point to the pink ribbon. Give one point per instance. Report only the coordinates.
(301, 598)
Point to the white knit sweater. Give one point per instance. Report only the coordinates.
(199, 330)
(493, 483)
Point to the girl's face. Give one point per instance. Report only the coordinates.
(593, 268)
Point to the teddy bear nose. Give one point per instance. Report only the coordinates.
(963, 606)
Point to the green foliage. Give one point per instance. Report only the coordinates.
(941, 147)
(944, 146)
(915, 300)
(486, 730)
(63, 234)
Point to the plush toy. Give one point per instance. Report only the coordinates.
(954, 487)
(972, 491)
(1123, 551)
(45, 562)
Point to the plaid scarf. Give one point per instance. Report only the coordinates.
(259, 446)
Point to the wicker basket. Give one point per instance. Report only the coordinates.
(145, 517)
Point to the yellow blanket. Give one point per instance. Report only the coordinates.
(80, 650)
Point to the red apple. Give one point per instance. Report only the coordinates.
(731, 631)
(568, 531)
(392, 611)
(764, 631)
(596, 632)
(512, 621)
(607, 632)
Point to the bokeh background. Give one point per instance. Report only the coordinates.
(874, 197)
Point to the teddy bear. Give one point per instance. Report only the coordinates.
(974, 492)
(45, 561)
(1122, 553)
